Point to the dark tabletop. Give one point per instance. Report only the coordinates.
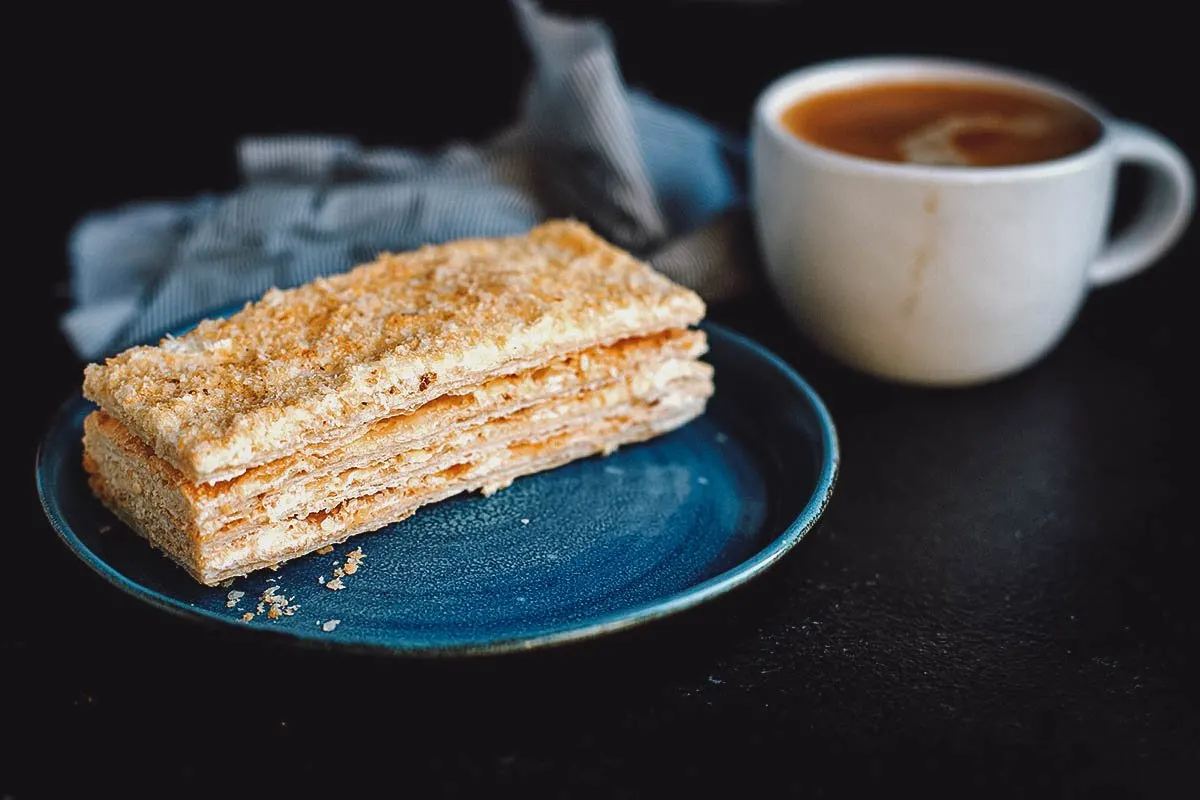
(1001, 598)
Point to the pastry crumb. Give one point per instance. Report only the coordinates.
(525, 520)
(276, 605)
(233, 597)
(321, 579)
(353, 561)
(249, 615)
(491, 488)
(335, 585)
(326, 550)
(330, 625)
(338, 572)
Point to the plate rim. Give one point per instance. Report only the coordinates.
(612, 622)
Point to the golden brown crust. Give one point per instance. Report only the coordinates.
(311, 363)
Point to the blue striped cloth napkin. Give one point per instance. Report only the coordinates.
(650, 177)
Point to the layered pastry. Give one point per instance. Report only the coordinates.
(346, 404)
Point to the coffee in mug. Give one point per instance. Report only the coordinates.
(941, 222)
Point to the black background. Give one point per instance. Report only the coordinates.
(1000, 600)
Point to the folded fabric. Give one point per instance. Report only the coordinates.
(652, 178)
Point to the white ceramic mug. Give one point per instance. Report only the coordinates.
(948, 275)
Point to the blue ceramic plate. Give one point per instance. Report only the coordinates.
(589, 548)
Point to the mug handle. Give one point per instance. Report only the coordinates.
(1165, 213)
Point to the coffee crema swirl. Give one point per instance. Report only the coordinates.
(943, 124)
